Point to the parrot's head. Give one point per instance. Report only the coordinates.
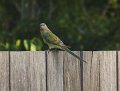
(43, 27)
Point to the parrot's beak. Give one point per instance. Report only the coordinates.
(40, 28)
(41, 25)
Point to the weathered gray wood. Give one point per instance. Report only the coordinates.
(100, 72)
(55, 71)
(28, 71)
(38, 71)
(71, 73)
(108, 71)
(20, 78)
(4, 71)
(118, 79)
(91, 71)
(59, 71)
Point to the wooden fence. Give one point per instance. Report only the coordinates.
(59, 71)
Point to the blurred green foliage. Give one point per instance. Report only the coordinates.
(81, 24)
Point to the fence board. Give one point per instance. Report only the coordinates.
(71, 73)
(59, 71)
(108, 71)
(28, 71)
(38, 71)
(55, 71)
(118, 71)
(90, 71)
(4, 71)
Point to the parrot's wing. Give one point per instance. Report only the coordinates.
(53, 39)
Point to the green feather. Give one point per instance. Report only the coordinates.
(68, 50)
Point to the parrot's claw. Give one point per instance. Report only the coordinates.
(55, 49)
(48, 50)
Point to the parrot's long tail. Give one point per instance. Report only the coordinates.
(69, 51)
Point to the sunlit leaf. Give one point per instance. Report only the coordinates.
(33, 47)
(18, 43)
(26, 45)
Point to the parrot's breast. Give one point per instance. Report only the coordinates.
(51, 45)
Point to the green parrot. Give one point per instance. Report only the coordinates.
(53, 41)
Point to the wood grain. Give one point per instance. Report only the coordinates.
(55, 71)
(28, 71)
(38, 71)
(100, 72)
(4, 71)
(59, 71)
(118, 70)
(90, 71)
(71, 73)
(108, 71)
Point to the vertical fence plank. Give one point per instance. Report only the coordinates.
(38, 71)
(20, 65)
(118, 71)
(91, 71)
(28, 71)
(55, 71)
(4, 71)
(108, 71)
(71, 73)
